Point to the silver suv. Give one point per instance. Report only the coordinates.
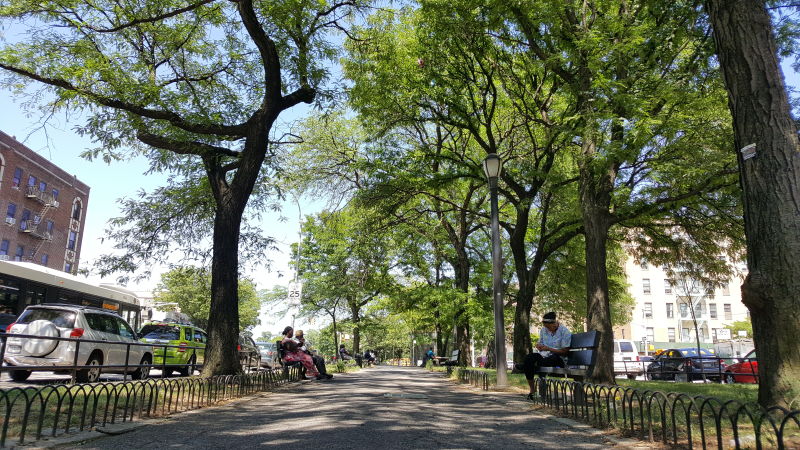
(71, 321)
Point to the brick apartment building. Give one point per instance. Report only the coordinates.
(42, 209)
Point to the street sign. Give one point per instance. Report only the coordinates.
(295, 292)
(723, 334)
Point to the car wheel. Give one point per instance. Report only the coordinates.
(189, 369)
(20, 375)
(631, 376)
(729, 378)
(91, 374)
(142, 372)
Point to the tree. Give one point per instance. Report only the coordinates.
(442, 66)
(345, 257)
(189, 288)
(640, 121)
(768, 153)
(196, 87)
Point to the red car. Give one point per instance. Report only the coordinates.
(745, 371)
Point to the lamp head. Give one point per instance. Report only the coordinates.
(492, 166)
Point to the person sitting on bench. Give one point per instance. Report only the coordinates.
(553, 347)
(293, 353)
(344, 355)
(369, 357)
(319, 361)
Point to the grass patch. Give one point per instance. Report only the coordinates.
(743, 393)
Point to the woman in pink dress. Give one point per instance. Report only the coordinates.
(292, 352)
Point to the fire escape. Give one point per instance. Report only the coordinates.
(37, 227)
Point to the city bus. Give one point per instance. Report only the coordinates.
(23, 284)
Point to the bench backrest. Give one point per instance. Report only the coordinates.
(454, 355)
(583, 349)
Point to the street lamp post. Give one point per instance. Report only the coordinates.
(491, 166)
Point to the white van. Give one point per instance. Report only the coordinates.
(626, 359)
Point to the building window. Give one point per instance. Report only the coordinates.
(50, 226)
(31, 181)
(670, 311)
(685, 335)
(709, 289)
(23, 221)
(671, 334)
(712, 310)
(11, 211)
(684, 310)
(20, 253)
(703, 335)
(42, 186)
(648, 310)
(650, 334)
(728, 314)
(644, 265)
(668, 286)
(726, 288)
(55, 194)
(76, 209)
(17, 178)
(4, 244)
(646, 285)
(68, 267)
(698, 310)
(73, 236)
(44, 259)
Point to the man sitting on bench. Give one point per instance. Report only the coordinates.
(553, 347)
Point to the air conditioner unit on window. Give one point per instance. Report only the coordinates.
(55, 203)
(11, 220)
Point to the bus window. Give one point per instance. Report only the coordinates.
(34, 295)
(9, 298)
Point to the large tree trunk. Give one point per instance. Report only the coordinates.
(461, 315)
(771, 190)
(598, 311)
(222, 356)
(527, 283)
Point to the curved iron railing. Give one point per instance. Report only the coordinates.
(477, 378)
(30, 413)
(675, 419)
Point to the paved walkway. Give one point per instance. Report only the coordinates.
(382, 407)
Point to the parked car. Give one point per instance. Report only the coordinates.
(744, 371)
(190, 341)
(685, 364)
(79, 322)
(269, 353)
(626, 359)
(249, 353)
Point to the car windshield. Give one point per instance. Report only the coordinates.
(169, 332)
(267, 346)
(693, 352)
(59, 317)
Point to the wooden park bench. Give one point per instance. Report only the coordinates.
(581, 360)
